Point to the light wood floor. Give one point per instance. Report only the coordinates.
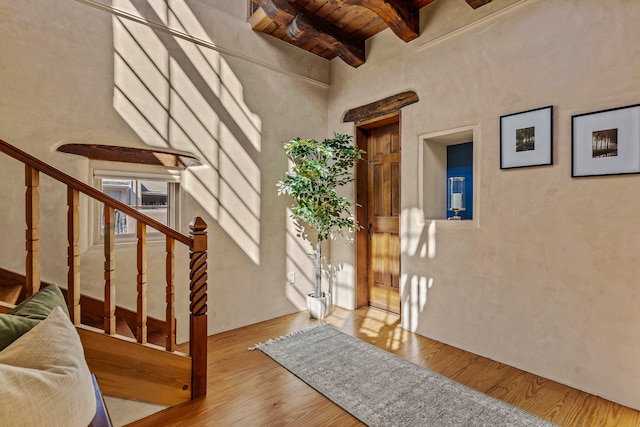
(247, 388)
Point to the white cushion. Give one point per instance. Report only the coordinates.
(44, 378)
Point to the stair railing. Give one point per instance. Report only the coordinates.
(196, 241)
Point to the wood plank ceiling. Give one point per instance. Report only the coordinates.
(339, 28)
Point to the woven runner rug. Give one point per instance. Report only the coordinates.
(382, 389)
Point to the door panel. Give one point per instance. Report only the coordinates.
(383, 217)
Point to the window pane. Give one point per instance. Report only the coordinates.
(120, 189)
(148, 197)
(124, 224)
(154, 200)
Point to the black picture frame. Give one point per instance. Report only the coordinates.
(606, 142)
(526, 138)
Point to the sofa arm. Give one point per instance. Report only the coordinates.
(101, 419)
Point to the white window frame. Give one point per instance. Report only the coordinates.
(171, 177)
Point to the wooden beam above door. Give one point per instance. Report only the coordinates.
(380, 108)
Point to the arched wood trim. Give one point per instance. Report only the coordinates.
(142, 156)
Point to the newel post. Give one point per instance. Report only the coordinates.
(198, 306)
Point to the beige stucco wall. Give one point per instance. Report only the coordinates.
(545, 279)
(73, 73)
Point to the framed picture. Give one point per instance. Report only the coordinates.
(606, 142)
(526, 139)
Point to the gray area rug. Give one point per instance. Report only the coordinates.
(382, 389)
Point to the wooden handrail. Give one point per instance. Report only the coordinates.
(57, 174)
(196, 242)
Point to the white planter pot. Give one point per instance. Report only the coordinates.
(319, 307)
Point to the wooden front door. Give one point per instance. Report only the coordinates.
(383, 207)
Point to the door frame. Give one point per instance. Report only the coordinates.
(362, 132)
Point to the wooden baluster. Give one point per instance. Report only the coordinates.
(73, 255)
(109, 271)
(32, 217)
(170, 318)
(198, 306)
(141, 315)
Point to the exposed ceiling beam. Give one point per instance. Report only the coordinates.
(477, 3)
(330, 28)
(422, 3)
(302, 26)
(280, 11)
(399, 15)
(347, 47)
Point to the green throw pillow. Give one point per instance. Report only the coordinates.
(24, 316)
(13, 327)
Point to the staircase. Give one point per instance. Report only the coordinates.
(11, 287)
(10, 293)
(132, 356)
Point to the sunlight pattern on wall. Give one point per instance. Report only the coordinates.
(300, 262)
(176, 94)
(418, 242)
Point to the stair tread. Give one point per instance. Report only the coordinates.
(10, 293)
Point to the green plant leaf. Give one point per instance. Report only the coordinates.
(319, 168)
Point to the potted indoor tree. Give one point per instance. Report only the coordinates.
(318, 212)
